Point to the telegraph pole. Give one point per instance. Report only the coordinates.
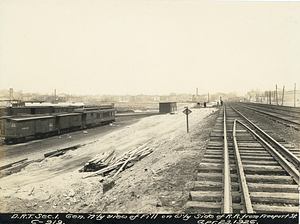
(282, 96)
(276, 96)
(295, 95)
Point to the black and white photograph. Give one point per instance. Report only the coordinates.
(166, 111)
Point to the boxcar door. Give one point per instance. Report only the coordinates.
(38, 126)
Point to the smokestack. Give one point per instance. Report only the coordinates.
(11, 93)
(54, 94)
(196, 91)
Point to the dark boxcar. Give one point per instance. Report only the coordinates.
(18, 129)
(67, 122)
(44, 125)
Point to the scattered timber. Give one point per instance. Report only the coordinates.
(117, 165)
(60, 152)
(99, 161)
(13, 164)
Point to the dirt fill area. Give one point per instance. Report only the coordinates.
(156, 184)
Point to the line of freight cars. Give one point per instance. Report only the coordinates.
(14, 111)
(18, 129)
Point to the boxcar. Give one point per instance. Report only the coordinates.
(18, 129)
(68, 122)
(108, 116)
(95, 116)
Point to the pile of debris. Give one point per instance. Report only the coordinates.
(106, 164)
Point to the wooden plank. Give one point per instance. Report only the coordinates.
(213, 156)
(209, 160)
(208, 207)
(258, 169)
(215, 143)
(19, 167)
(275, 197)
(123, 165)
(115, 165)
(212, 196)
(264, 158)
(212, 186)
(269, 179)
(260, 208)
(260, 162)
(213, 152)
(259, 187)
(214, 177)
(12, 164)
(256, 154)
(202, 207)
(56, 152)
(214, 167)
(249, 145)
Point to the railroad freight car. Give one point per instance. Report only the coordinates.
(17, 111)
(18, 129)
(68, 122)
(96, 116)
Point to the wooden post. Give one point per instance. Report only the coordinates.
(270, 94)
(187, 123)
(295, 95)
(187, 112)
(282, 96)
(276, 96)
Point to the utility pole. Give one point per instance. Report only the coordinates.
(207, 97)
(295, 95)
(282, 96)
(276, 96)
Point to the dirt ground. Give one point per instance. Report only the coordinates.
(156, 184)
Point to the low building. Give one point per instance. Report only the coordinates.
(167, 107)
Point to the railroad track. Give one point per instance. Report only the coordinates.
(285, 115)
(244, 170)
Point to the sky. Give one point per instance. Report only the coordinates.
(150, 47)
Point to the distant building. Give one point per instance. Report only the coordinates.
(167, 107)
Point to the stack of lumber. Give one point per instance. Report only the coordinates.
(122, 162)
(99, 161)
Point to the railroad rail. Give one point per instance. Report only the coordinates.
(287, 116)
(244, 170)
